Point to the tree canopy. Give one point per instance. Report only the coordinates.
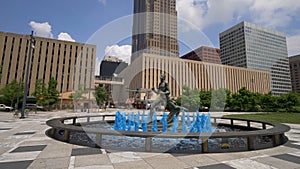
(11, 92)
(46, 95)
(243, 100)
(100, 95)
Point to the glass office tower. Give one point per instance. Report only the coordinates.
(255, 47)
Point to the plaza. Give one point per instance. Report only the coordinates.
(25, 145)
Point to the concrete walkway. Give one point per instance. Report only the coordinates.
(23, 144)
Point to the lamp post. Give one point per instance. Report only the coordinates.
(18, 98)
(31, 41)
(90, 88)
(61, 97)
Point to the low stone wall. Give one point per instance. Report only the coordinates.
(254, 135)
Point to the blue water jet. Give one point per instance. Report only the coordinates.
(183, 122)
(175, 124)
(133, 122)
(163, 120)
(144, 123)
(137, 122)
(154, 123)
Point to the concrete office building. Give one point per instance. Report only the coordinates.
(145, 73)
(69, 63)
(295, 72)
(154, 28)
(204, 54)
(251, 46)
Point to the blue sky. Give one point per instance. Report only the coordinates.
(100, 21)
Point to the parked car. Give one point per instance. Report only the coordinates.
(3, 107)
(34, 107)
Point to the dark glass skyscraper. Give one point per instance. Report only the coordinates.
(154, 28)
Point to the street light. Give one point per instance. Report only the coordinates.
(18, 98)
(32, 40)
(61, 97)
(89, 105)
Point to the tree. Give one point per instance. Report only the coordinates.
(228, 99)
(52, 93)
(288, 101)
(11, 92)
(77, 95)
(243, 100)
(267, 102)
(205, 98)
(40, 92)
(100, 95)
(190, 98)
(219, 99)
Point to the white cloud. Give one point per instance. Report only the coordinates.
(45, 30)
(65, 36)
(293, 45)
(42, 29)
(275, 13)
(121, 52)
(102, 1)
(204, 13)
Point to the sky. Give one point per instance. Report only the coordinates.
(108, 23)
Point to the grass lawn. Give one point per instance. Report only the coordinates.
(293, 118)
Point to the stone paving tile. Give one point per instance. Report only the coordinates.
(220, 157)
(292, 145)
(55, 150)
(5, 128)
(10, 157)
(25, 133)
(58, 153)
(247, 164)
(123, 157)
(276, 150)
(277, 163)
(34, 142)
(288, 157)
(165, 162)
(216, 166)
(50, 163)
(295, 154)
(91, 160)
(29, 148)
(132, 165)
(292, 141)
(16, 165)
(197, 160)
(85, 151)
(96, 167)
(149, 154)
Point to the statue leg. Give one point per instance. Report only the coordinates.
(152, 108)
(174, 110)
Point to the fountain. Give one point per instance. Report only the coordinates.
(167, 132)
(201, 123)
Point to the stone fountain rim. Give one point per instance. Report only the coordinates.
(277, 129)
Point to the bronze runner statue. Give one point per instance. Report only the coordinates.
(163, 92)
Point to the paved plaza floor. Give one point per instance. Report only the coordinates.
(23, 144)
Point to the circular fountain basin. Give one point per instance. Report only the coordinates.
(97, 131)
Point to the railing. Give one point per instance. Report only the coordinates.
(256, 129)
(113, 79)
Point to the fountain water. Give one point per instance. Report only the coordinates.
(200, 123)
